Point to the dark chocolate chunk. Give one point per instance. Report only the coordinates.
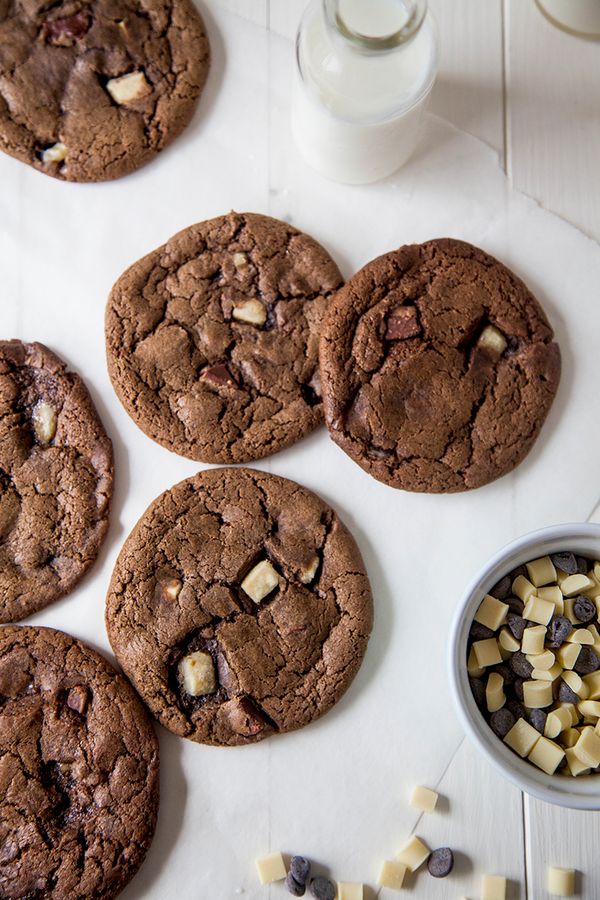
(585, 609)
(300, 868)
(402, 323)
(440, 862)
(537, 718)
(480, 632)
(558, 630)
(64, 32)
(566, 562)
(516, 624)
(77, 699)
(502, 721)
(218, 375)
(566, 695)
(587, 661)
(295, 888)
(501, 589)
(478, 690)
(322, 888)
(520, 665)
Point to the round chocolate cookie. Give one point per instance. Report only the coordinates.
(239, 607)
(79, 774)
(56, 476)
(93, 89)
(212, 339)
(438, 368)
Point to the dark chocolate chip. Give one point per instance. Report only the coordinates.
(480, 632)
(566, 695)
(585, 609)
(587, 661)
(517, 709)
(501, 590)
(478, 690)
(537, 718)
(558, 630)
(520, 665)
(502, 721)
(518, 689)
(507, 673)
(300, 868)
(516, 624)
(515, 605)
(64, 32)
(294, 887)
(566, 562)
(322, 888)
(402, 323)
(583, 565)
(441, 862)
(520, 570)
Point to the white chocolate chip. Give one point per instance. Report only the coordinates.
(550, 674)
(240, 261)
(546, 755)
(198, 673)
(580, 636)
(567, 655)
(576, 766)
(592, 682)
(413, 854)
(533, 639)
(560, 882)
(251, 311)
(473, 667)
(523, 588)
(491, 613)
(423, 798)
(44, 421)
(349, 890)
(537, 694)
(494, 692)
(557, 721)
(271, 868)
(575, 584)
(538, 610)
(487, 652)
(589, 708)
(127, 88)
(544, 660)
(587, 748)
(554, 594)
(541, 571)
(260, 581)
(309, 571)
(570, 737)
(171, 588)
(492, 339)
(508, 641)
(522, 737)
(391, 875)
(56, 153)
(493, 887)
(576, 684)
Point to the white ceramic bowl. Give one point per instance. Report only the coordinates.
(577, 793)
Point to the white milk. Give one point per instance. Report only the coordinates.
(356, 109)
(582, 16)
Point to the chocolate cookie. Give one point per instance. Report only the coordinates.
(438, 368)
(56, 476)
(212, 339)
(79, 773)
(239, 606)
(93, 89)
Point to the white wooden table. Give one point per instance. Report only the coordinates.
(532, 92)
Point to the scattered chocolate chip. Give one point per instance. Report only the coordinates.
(566, 695)
(585, 609)
(218, 375)
(515, 605)
(300, 868)
(520, 664)
(294, 887)
(502, 721)
(77, 699)
(441, 862)
(516, 624)
(64, 32)
(558, 630)
(480, 632)
(402, 323)
(322, 888)
(537, 718)
(478, 691)
(566, 562)
(587, 661)
(583, 565)
(501, 590)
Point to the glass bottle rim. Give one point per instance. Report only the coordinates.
(375, 44)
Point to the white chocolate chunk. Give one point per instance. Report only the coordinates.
(560, 882)
(533, 640)
(522, 737)
(55, 154)
(541, 571)
(557, 721)
(592, 682)
(544, 660)
(508, 641)
(546, 755)
(587, 748)
(537, 694)
(492, 339)
(493, 887)
(576, 766)
(553, 594)
(572, 710)
(44, 421)
(491, 613)
(198, 673)
(413, 854)
(575, 584)
(589, 708)
(391, 875)
(494, 692)
(348, 890)
(270, 868)
(567, 655)
(170, 589)
(423, 798)
(251, 311)
(523, 588)
(127, 88)
(538, 610)
(487, 652)
(240, 261)
(547, 674)
(580, 636)
(473, 668)
(260, 581)
(576, 684)
(310, 570)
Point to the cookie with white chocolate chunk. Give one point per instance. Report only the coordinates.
(93, 89)
(212, 339)
(239, 607)
(56, 477)
(438, 367)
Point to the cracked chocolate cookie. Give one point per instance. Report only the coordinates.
(438, 368)
(56, 475)
(79, 773)
(212, 339)
(92, 89)
(239, 607)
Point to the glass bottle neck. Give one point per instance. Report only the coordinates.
(375, 25)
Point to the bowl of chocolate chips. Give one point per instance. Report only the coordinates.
(525, 663)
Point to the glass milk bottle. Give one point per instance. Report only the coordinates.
(364, 71)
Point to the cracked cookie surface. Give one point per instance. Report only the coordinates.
(438, 368)
(212, 339)
(92, 89)
(78, 770)
(56, 478)
(253, 580)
